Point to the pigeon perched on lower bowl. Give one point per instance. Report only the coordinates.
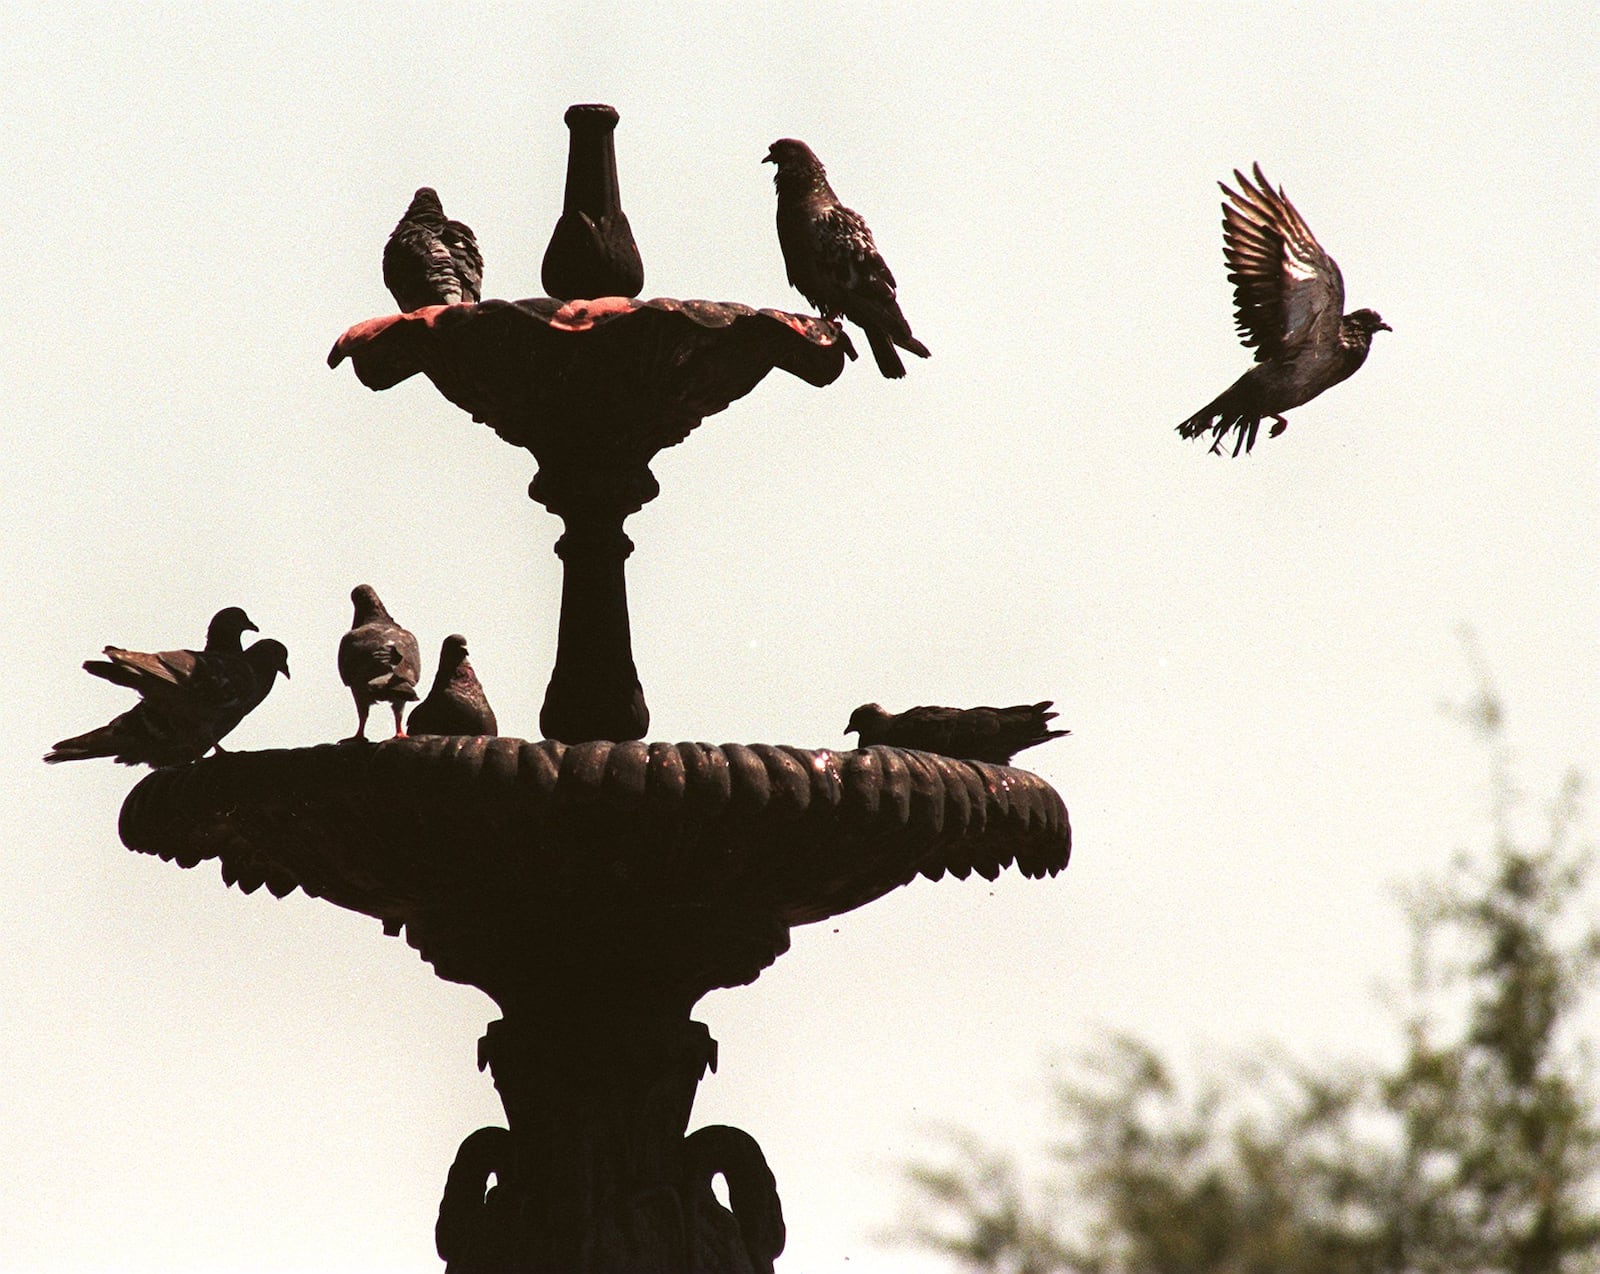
(456, 704)
(378, 660)
(971, 734)
(189, 699)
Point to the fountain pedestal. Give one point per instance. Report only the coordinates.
(596, 892)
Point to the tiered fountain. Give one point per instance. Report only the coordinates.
(594, 885)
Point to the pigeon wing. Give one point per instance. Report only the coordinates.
(465, 259)
(160, 675)
(847, 257)
(419, 269)
(380, 658)
(1288, 292)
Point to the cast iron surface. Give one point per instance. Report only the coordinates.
(640, 373)
(391, 828)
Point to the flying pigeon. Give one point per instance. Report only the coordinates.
(456, 704)
(831, 258)
(378, 660)
(1289, 296)
(190, 700)
(974, 734)
(430, 260)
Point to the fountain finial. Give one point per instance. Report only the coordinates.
(592, 252)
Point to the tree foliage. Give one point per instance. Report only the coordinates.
(1478, 1151)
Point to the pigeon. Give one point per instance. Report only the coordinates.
(430, 260)
(190, 700)
(222, 638)
(378, 660)
(1289, 296)
(831, 258)
(159, 672)
(456, 704)
(973, 734)
(227, 626)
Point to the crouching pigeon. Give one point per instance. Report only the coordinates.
(429, 259)
(189, 699)
(974, 734)
(378, 660)
(831, 259)
(456, 704)
(1289, 297)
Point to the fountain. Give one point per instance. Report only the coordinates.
(595, 885)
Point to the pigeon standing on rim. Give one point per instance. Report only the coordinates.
(1289, 296)
(831, 259)
(378, 660)
(429, 259)
(189, 699)
(973, 734)
(456, 704)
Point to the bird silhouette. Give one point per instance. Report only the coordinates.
(831, 258)
(429, 259)
(456, 704)
(189, 699)
(1289, 297)
(975, 734)
(378, 660)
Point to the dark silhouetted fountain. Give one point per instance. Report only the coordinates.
(594, 885)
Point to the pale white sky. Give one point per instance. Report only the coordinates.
(1250, 653)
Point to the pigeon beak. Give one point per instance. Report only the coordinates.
(770, 157)
(1383, 327)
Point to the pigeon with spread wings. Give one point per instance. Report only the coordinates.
(189, 700)
(1289, 297)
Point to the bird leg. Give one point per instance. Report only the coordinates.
(398, 708)
(1279, 425)
(361, 722)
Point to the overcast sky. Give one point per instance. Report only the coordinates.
(1251, 653)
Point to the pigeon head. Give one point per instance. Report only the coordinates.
(865, 719)
(225, 628)
(368, 607)
(453, 653)
(1368, 321)
(424, 204)
(799, 169)
(789, 150)
(268, 656)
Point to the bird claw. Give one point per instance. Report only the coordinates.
(1279, 425)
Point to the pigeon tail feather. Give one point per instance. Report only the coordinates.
(889, 361)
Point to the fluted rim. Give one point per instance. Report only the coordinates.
(391, 348)
(406, 826)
